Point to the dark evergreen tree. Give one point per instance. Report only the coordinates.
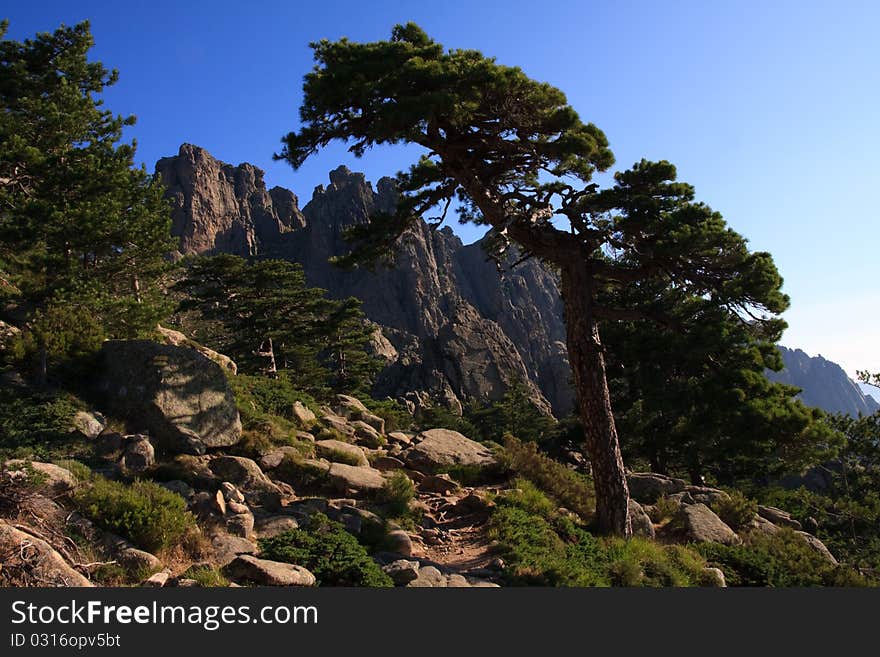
(265, 316)
(520, 160)
(79, 226)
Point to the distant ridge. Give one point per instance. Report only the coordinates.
(824, 384)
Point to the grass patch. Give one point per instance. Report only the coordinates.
(397, 493)
(148, 515)
(334, 556)
(206, 576)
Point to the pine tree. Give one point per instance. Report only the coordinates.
(79, 226)
(520, 160)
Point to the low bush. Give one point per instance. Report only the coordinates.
(567, 487)
(150, 516)
(663, 509)
(332, 554)
(397, 493)
(206, 576)
(38, 424)
(780, 559)
(737, 510)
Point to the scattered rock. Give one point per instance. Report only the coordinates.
(157, 580)
(697, 522)
(367, 435)
(402, 572)
(303, 415)
(778, 517)
(139, 455)
(251, 570)
(270, 526)
(399, 437)
(706, 495)
(227, 547)
(640, 520)
(240, 524)
(387, 464)
(762, 525)
(176, 393)
(439, 448)
(31, 561)
(231, 493)
(247, 476)
(400, 542)
(441, 483)
(133, 559)
(88, 424)
(648, 487)
(360, 479)
(337, 424)
(55, 478)
(334, 450)
(429, 576)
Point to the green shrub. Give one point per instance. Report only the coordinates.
(397, 492)
(780, 559)
(261, 397)
(332, 554)
(38, 424)
(663, 509)
(568, 488)
(145, 513)
(544, 548)
(340, 456)
(737, 510)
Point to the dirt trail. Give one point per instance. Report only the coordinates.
(454, 539)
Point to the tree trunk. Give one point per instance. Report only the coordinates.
(594, 402)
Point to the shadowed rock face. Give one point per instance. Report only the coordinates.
(823, 384)
(461, 328)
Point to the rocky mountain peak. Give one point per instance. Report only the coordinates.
(459, 327)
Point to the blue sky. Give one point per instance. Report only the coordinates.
(769, 108)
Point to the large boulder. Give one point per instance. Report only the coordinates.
(778, 517)
(640, 521)
(31, 561)
(176, 393)
(648, 487)
(698, 523)
(442, 448)
(251, 570)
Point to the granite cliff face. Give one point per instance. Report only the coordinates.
(824, 384)
(452, 325)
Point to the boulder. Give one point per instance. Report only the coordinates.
(388, 464)
(53, 477)
(87, 424)
(358, 479)
(640, 521)
(251, 570)
(698, 523)
(402, 572)
(303, 415)
(227, 547)
(400, 438)
(269, 526)
(31, 561)
(762, 525)
(818, 546)
(139, 455)
(706, 495)
(157, 580)
(133, 559)
(338, 424)
(231, 493)
(338, 451)
(778, 517)
(240, 524)
(246, 475)
(273, 459)
(713, 577)
(441, 448)
(367, 435)
(441, 483)
(176, 393)
(399, 541)
(648, 487)
(178, 339)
